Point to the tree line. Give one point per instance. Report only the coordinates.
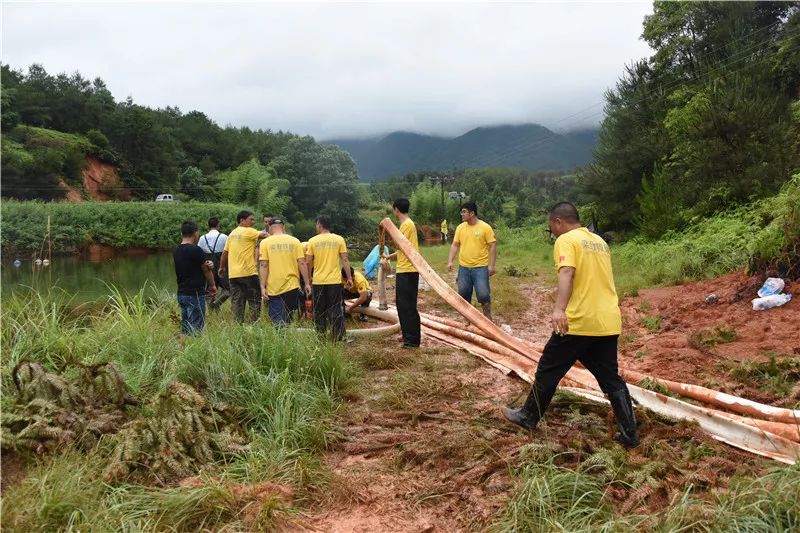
(709, 122)
(50, 123)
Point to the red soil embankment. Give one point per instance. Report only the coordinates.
(679, 316)
(101, 182)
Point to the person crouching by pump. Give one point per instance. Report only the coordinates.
(361, 291)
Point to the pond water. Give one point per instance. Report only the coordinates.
(89, 280)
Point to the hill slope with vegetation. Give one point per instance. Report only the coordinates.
(50, 124)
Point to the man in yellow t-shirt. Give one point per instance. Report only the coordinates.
(586, 324)
(476, 245)
(407, 278)
(239, 261)
(282, 261)
(326, 255)
(361, 291)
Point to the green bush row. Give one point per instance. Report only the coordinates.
(118, 224)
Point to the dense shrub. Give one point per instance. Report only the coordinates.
(118, 224)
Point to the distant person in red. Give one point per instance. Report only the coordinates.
(193, 273)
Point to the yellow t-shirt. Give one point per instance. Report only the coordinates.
(443, 227)
(326, 248)
(474, 243)
(241, 248)
(360, 283)
(593, 308)
(282, 252)
(409, 231)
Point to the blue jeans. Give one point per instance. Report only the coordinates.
(193, 313)
(283, 307)
(474, 278)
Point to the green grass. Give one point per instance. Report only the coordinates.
(550, 497)
(284, 385)
(780, 375)
(710, 337)
(518, 251)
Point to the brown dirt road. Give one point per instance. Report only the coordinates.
(423, 447)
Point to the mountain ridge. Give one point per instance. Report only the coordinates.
(529, 146)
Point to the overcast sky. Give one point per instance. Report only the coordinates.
(332, 69)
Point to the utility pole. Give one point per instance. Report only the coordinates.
(441, 180)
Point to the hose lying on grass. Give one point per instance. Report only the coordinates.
(518, 355)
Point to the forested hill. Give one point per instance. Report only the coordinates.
(52, 125)
(528, 146)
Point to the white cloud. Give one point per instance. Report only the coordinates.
(342, 69)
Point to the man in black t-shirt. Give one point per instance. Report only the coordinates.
(193, 272)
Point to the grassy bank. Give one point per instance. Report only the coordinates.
(763, 235)
(275, 391)
(117, 224)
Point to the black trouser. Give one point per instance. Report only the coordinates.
(406, 288)
(328, 308)
(245, 290)
(351, 295)
(598, 355)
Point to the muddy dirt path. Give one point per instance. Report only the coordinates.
(424, 448)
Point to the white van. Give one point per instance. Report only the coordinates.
(165, 198)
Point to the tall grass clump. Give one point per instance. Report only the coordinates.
(282, 386)
(555, 498)
(552, 497)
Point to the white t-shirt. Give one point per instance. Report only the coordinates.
(210, 240)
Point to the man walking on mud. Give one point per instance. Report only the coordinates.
(476, 246)
(240, 255)
(586, 324)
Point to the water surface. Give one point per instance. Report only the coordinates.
(89, 280)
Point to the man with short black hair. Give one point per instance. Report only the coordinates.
(476, 245)
(213, 244)
(407, 278)
(326, 255)
(193, 274)
(586, 324)
(240, 252)
(282, 262)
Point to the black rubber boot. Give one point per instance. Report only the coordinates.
(628, 434)
(530, 413)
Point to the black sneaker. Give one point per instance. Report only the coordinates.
(409, 345)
